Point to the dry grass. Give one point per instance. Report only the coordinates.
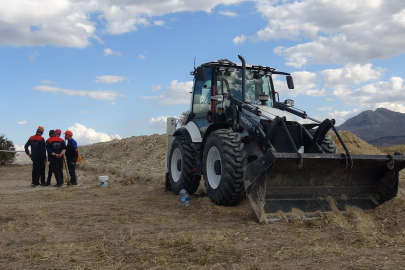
(142, 227)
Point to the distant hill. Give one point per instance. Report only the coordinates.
(380, 127)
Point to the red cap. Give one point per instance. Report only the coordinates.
(58, 131)
(68, 132)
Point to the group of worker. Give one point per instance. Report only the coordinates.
(57, 149)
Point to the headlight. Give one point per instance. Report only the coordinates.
(289, 103)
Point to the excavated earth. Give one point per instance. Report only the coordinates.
(134, 224)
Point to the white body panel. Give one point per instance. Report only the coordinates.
(273, 112)
(269, 112)
(194, 132)
(170, 129)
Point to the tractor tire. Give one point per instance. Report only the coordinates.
(328, 145)
(224, 160)
(181, 164)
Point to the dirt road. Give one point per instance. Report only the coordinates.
(141, 227)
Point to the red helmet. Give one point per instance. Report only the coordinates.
(68, 132)
(58, 131)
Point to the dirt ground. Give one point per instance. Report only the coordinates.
(134, 224)
(141, 227)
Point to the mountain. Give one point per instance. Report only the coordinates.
(380, 127)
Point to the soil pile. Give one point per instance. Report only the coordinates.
(354, 144)
(136, 159)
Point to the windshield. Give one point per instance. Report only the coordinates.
(230, 83)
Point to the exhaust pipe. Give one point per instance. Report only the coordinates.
(243, 76)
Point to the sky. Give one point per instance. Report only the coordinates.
(108, 69)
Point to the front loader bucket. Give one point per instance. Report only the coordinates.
(277, 188)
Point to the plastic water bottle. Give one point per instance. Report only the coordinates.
(183, 197)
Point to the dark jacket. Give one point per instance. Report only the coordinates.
(37, 143)
(55, 145)
(70, 149)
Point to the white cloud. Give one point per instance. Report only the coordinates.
(350, 74)
(396, 107)
(69, 23)
(329, 99)
(141, 56)
(84, 135)
(342, 116)
(46, 82)
(339, 31)
(83, 112)
(239, 39)
(41, 22)
(158, 122)
(304, 83)
(228, 13)
(108, 51)
(325, 108)
(369, 95)
(154, 88)
(33, 56)
(112, 103)
(107, 79)
(98, 95)
(176, 93)
(22, 122)
(159, 22)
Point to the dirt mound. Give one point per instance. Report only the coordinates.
(354, 144)
(136, 159)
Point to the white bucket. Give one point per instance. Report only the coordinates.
(103, 181)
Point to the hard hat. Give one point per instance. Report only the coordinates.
(40, 128)
(58, 131)
(68, 132)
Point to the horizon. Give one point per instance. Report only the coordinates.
(106, 70)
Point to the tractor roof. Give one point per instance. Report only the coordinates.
(228, 63)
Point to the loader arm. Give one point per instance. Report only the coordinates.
(286, 182)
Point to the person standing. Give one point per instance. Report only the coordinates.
(52, 133)
(56, 147)
(38, 156)
(72, 153)
(48, 181)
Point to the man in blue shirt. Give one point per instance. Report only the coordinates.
(71, 156)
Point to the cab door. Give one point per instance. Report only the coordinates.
(201, 103)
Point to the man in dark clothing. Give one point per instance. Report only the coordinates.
(71, 156)
(52, 133)
(48, 181)
(56, 147)
(38, 156)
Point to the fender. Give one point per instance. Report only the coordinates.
(190, 132)
(212, 128)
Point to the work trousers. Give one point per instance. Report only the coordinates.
(71, 163)
(49, 174)
(57, 168)
(38, 170)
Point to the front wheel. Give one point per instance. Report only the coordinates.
(181, 165)
(328, 145)
(223, 164)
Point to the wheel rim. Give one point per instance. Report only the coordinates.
(213, 178)
(176, 157)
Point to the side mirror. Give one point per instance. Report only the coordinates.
(290, 82)
(199, 74)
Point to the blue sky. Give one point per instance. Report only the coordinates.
(114, 69)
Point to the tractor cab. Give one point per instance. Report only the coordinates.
(216, 83)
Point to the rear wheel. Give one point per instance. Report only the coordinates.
(328, 145)
(223, 163)
(182, 156)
